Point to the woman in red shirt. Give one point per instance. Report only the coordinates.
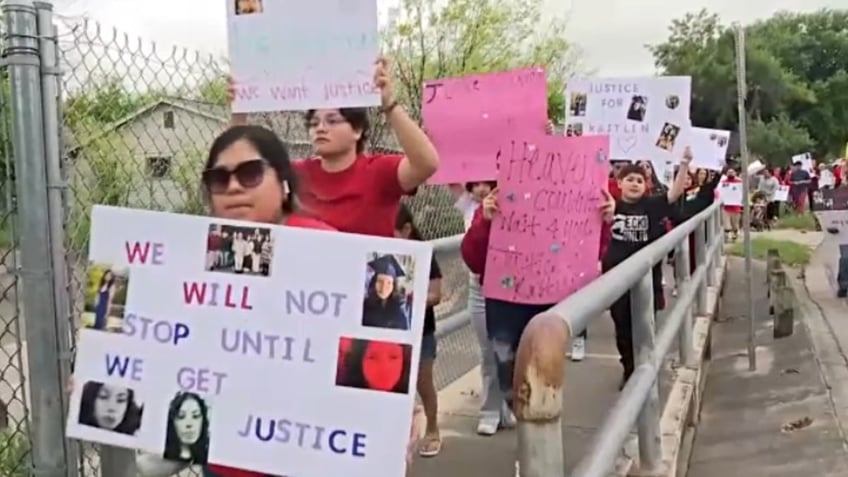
(350, 189)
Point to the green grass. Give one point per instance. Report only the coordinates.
(791, 253)
(797, 221)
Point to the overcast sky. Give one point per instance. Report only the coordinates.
(611, 33)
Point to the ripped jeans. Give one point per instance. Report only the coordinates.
(505, 323)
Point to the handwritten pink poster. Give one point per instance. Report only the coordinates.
(466, 117)
(545, 240)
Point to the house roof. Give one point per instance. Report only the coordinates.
(209, 111)
(288, 124)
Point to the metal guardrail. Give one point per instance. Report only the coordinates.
(539, 364)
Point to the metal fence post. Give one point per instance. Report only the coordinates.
(49, 454)
(50, 110)
(701, 261)
(648, 424)
(681, 268)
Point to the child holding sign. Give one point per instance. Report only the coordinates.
(636, 222)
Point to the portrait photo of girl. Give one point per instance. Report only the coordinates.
(111, 408)
(376, 365)
(248, 7)
(638, 108)
(187, 429)
(668, 136)
(388, 292)
(105, 297)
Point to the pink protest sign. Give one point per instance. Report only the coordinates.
(466, 117)
(545, 240)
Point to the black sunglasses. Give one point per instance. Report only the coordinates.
(249, 174)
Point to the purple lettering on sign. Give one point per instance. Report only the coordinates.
(217, 294)
(315, 302)
(124, 366)
(162, 331)
(301, 434)
(270, 346)
(200, 380)
(145, 253)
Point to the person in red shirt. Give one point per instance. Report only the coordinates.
(350, 189)
(732, 214)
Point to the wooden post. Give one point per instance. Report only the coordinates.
(784, 306)
(772, 264)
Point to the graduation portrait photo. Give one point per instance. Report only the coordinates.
(388, 291)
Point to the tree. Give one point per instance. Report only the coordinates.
(797, 76)
(476, 36)
(99, 175)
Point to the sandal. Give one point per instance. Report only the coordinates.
(431, 446)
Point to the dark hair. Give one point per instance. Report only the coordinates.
(103, 280)
(632, 169)
(200, 449)
(797, 163)
(469, 186)
(354, 375)
(358, 120)
(404, 216)
(131, 420)
(269, 146)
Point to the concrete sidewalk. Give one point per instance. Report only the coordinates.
(591, 389)
(778, 420)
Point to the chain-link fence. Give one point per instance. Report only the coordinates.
(137, 120)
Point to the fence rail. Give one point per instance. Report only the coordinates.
(538, 376)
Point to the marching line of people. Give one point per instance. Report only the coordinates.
(249, 176)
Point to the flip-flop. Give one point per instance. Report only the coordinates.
(431, 446)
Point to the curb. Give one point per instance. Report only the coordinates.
(683, 407)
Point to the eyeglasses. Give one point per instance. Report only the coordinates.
(329, 121)
(248, 174)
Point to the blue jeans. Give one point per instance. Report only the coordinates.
(505, 323)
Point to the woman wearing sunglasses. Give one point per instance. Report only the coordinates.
(350, 189)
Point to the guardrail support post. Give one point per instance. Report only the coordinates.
(648, 424)
(784, 304)
(684, 336)
(537, 387)
(712, 234)
(701, 261)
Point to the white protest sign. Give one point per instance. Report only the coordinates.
(709, 148)
(806, 160)
(639, 114)
(296, 55)
(730, 193)
(782, 193)
(268, 357)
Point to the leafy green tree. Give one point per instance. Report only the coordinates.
(429, 41)
(796, 75)
(101, 174)
(778, 139)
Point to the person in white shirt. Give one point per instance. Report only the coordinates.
(238, 251)
(827, 180)
(494, 412)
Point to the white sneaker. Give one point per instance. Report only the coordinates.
(674, 292)
(508, 420)
(488, 427)
(578, 349)
(517, 469)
